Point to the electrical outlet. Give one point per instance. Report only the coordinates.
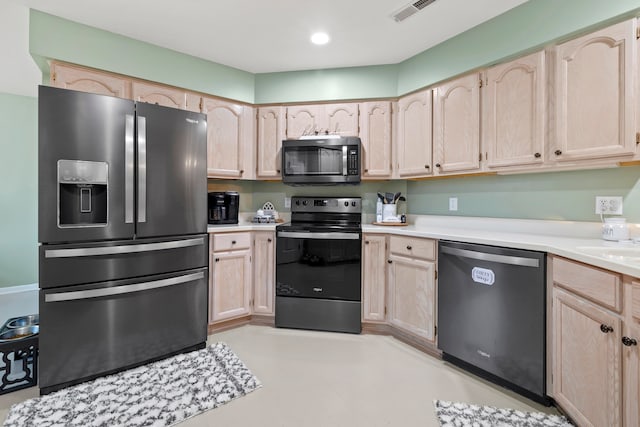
(609, 205)
(453, 203)
(287, 202)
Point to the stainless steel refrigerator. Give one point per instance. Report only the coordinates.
(122, 228)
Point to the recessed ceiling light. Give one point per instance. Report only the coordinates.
(320, 38)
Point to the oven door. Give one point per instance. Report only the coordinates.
(318, 265)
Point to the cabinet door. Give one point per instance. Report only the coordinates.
(375, 133)
(587, 364)
(230, 291)
(456, 126)
(85, 80)
(513, 117)
(305, 120)
(263, 272)
(342, 119)
(594, 95)
(412, 296)
(159, 95)
(373, 278)
(414, 143)
(631, 355)
(271, 132)
(224, 136)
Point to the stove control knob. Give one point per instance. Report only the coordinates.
(304, 202)
(346, 203)
(297, 202)
(353, 204)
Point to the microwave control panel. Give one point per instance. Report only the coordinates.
(353, 161)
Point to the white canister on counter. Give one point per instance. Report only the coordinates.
(615, 229)
(379, 210)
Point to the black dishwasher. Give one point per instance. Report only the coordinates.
(491, 314)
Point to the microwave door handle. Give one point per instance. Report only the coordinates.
(344, 160)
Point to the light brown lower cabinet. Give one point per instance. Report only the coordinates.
(264, 277)
(411, 284)
(374, 280)
(596, 375)
(229, 276)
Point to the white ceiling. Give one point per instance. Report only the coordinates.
(268, 36)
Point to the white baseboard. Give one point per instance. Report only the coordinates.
(21, 288)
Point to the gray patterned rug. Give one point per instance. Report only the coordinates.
(455, 414)
(162, 393)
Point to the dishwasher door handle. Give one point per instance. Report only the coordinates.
(483, 256)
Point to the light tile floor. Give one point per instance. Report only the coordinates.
(329, 379)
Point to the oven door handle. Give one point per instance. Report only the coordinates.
(323, 236)
(124, 289)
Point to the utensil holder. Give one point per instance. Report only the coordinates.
(389, 211)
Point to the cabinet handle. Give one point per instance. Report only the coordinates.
(269, 240)
(437, 165)
(426, 166)
(537, 155)
(389, 261)
(366, 242)
(241, 171)
(366, 171)
(629, 341)
(217, 259)
(277, 170)
(606, 328)
(233, 242)
(558, 152)
(408, 247)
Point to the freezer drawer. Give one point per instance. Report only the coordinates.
(72, 264)
(91, 330)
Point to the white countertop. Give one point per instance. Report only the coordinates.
(564, 238)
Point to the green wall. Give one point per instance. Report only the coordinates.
(18, 190)
(528, 27)
(57, 38)
(550, 195)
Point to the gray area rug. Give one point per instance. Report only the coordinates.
(162, 393)
(455, 414)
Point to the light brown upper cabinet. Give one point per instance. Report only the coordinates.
(513, 114)
(375, 133)
(158, 94)
(413, 135)
(594, 84)
(336, 119)
(72, 77)
(229, 136)
(271, 132)
(456, 126)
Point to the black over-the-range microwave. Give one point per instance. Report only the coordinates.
(321, 160)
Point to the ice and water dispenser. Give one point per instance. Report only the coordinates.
(82, 193)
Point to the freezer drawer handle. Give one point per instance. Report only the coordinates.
(326, 236)
(125, 289)
(122, 249)
(482, 256)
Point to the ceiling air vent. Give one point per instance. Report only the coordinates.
(410, 9)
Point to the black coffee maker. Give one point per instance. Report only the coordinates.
(223, 207)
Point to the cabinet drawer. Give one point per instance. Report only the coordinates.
(413, 247)
(601, 286)
(231, 241)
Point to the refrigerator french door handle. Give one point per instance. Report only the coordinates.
(122, 249)
(142, 169)
(124, 289)
(128, 169)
